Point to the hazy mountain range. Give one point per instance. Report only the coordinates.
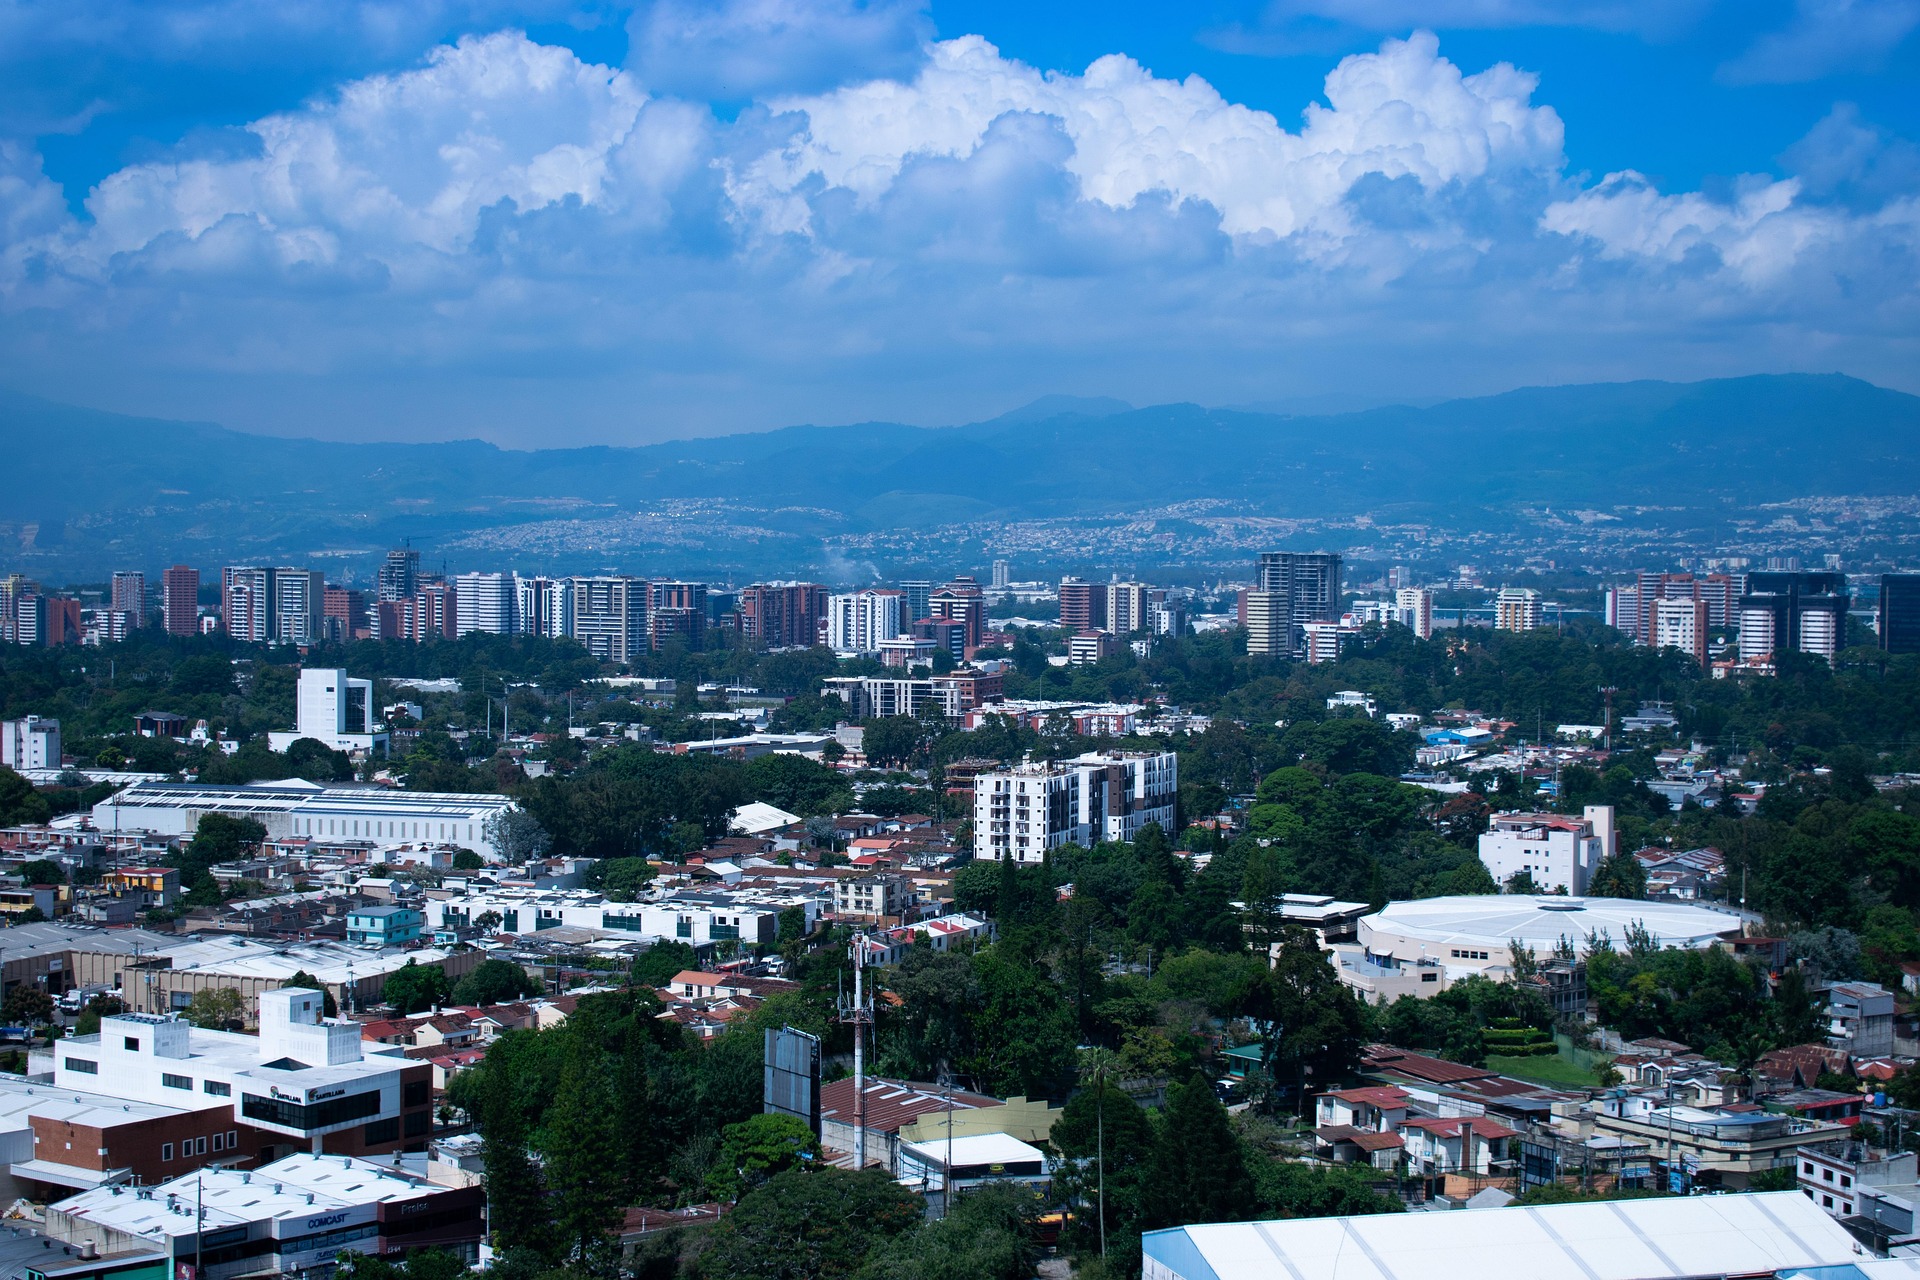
(91, 490)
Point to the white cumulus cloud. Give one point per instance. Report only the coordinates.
(408, 159)
(1404, 111)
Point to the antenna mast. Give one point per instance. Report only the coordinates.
(860, 1015)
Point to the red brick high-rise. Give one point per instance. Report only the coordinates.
(180, 601)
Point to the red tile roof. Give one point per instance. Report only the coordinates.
(1457, 1126)
(1383, 1057)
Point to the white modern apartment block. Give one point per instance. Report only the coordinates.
(1023, 811)
(1414, 609)
(302, 1078)
(299, 604)
(1130, 607)
(32, 742)
(246, 598)
(699, 918)
(1559, 852)
(543, 606)
(1516, 609)
(860, 621)
(484, 602)
(1757, 640)
(1820, 633)
(332, 709)
(1681, 624)
(610, 616)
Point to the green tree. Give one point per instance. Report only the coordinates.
(494, 982)
(581, 1158)
(414, 986)
(27, 1006)
(1620, 876)
(808, 1226)
(41, 871)
(891, 741)
(20, 804)
(420, 1264)
(988, 1235)
(1105, 1143)
(757, 1148)
(517, 836)
(624, 878)
(656, 966)
(1311, 1024)
(468, 860)
(517, 1204)
(1198, 1172)
(216, 1008)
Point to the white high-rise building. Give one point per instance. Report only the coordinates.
(610, 616)
(1681, 624)
(484, 602)
(1820, 632)
(331, 708)
(543, 606)
(1757, 640)
(1414, 607)
(859, 621)
(1129, 607)
(130, 596)
(299, 604)
(1516, 609)
(32, 742)
(1023, 811)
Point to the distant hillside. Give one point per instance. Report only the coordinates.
(90, 487)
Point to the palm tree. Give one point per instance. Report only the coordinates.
(1096, 1066)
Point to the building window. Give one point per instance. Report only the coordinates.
(415, 1093)
(219, 1142)
(1806, 1166)
(418, 1123)
(166, 1151)
(383, 1131)
(85, 1066)
(1826, 1175)
(318, 1115)
(1826, 1202)
(176, 1082)
(217, 1088)
(132, 1043)
(233, 1139)
(1845, 1181)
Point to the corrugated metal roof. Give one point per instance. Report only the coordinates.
(893, 1103)
(1651, 1239)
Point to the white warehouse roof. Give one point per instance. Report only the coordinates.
(1540, 922)
(1654, 1239)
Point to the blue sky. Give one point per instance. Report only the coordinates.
(552, 222)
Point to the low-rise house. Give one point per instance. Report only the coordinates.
(1458, 1144)
(1860, 1019)
(1838, 1175)
(384, 926)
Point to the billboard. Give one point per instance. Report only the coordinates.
(792, 1080)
